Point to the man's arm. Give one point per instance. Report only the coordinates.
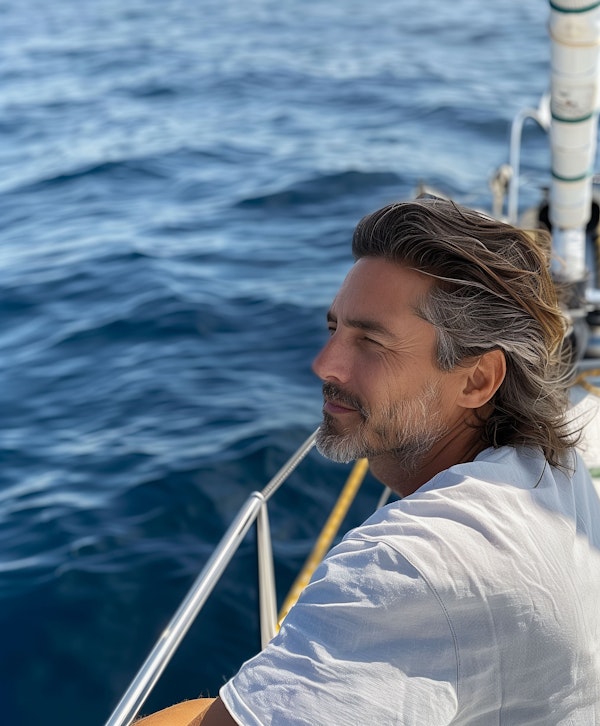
(198, 712)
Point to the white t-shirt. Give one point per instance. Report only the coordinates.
(475, 600)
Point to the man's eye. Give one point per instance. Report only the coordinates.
(331, 329)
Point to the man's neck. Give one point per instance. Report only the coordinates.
(456, 448)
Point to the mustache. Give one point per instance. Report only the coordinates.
(335, 394)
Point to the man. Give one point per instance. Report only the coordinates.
(475, 599)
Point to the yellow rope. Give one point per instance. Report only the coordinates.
(328, 532)
(582, 381)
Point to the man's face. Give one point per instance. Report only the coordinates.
(383, 394)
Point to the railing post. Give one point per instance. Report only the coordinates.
(267, 595)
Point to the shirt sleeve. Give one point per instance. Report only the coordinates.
(368, 642)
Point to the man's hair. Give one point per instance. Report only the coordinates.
(493, 290)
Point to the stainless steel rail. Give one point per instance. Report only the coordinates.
(541, 116)
(167, 644)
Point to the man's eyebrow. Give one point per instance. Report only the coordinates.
(370, 326)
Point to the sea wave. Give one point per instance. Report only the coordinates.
(178, 196)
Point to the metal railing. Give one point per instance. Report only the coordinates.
(254, 510)
(541, 116)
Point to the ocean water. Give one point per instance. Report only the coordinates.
(179, 186)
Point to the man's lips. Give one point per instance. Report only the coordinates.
(333, 408)
(339, 402)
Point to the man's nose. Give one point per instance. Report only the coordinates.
(332, 362)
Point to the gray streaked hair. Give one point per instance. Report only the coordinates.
(493, 290)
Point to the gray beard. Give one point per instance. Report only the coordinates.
(406, 431)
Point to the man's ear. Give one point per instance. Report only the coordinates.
(483, 379)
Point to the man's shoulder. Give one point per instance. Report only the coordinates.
(508, 500)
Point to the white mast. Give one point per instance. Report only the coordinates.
(575, 38)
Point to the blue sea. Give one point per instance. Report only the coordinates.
(180, 181)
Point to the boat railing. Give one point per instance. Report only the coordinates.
(253, 510)
(541, 115)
